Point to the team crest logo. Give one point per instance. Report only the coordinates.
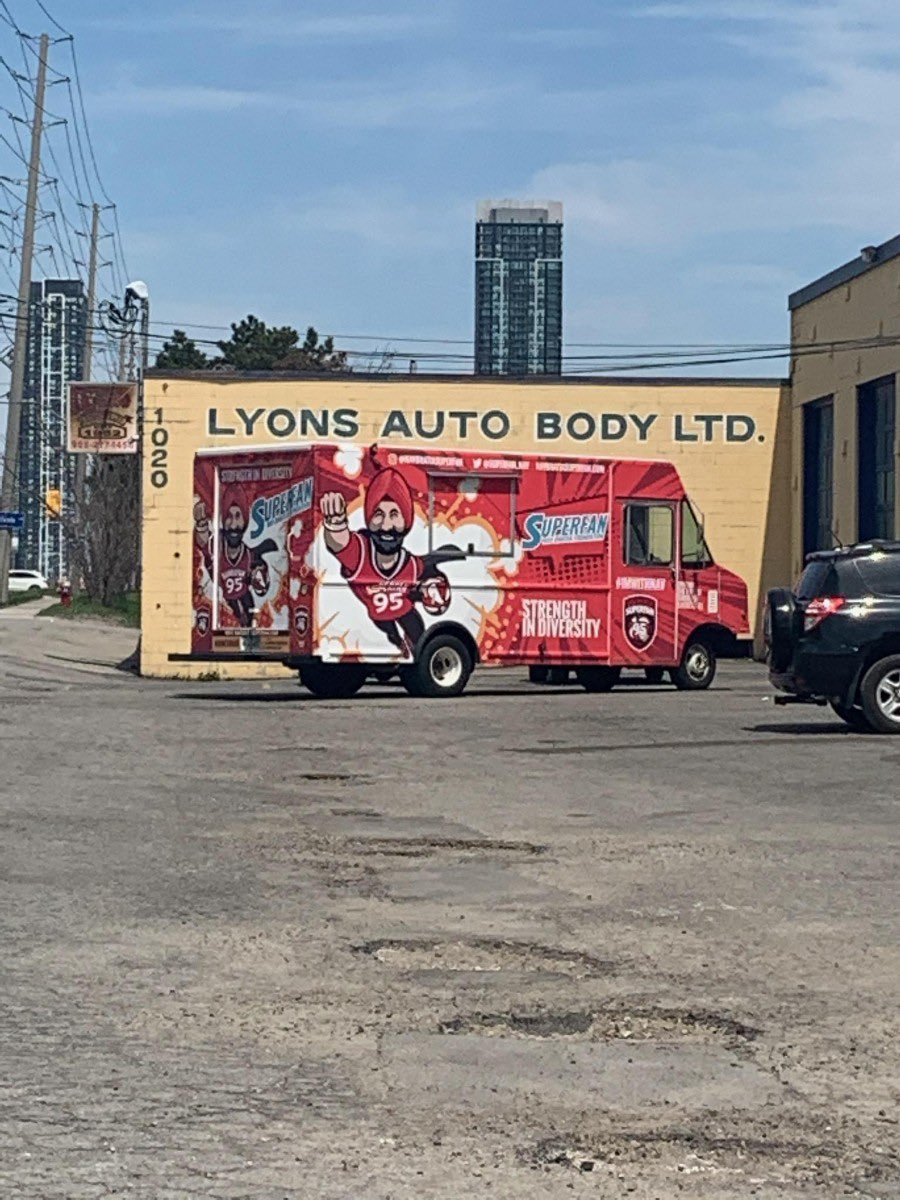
(436, 595)
(639, 618)
(301, 620)
(202, 621)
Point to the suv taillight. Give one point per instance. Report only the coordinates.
(820, 608)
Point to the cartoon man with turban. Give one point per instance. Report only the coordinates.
(243, 570)
(380, 571)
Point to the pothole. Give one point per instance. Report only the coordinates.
(331, 777)
(620, 1022)
(539, 1025)
(482, 954)
(425, 847)
(761, 1153)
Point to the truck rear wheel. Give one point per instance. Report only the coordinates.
(598, 679)
(330, 681)
(697, 669)
(442, 668)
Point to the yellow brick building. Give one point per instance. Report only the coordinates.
(729, 439)
(845, 340)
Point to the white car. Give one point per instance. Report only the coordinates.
(24, 581)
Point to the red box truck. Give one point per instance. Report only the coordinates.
(345, 562)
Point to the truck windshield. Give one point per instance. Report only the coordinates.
(694, 550)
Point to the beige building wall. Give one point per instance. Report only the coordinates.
(859, 302)
(729, 440)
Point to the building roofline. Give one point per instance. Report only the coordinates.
(877, 256)
(504, 380)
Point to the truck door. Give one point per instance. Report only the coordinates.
(644, 614)
(699, 577)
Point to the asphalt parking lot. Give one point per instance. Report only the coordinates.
(525, 943)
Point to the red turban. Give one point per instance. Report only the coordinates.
(390, 485)
(235, 495)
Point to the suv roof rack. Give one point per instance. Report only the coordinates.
(860, 550)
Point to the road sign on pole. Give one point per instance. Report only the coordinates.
(12, 520)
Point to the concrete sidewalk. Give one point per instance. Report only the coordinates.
(32, 646)
(26, 611)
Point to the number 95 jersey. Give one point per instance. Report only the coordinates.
(385, 595)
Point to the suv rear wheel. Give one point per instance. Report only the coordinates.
(697, 669)
(852, 715)
(880, 695)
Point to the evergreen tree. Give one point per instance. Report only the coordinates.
(181, 353)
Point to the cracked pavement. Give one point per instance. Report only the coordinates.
(525, 943)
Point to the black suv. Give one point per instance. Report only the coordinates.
(836, 640)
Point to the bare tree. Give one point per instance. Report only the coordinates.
(102, 532)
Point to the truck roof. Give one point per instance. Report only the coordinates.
(396, 448)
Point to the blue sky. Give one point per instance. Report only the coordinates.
(321, 163)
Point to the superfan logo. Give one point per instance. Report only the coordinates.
(544, 530)
(272, 510)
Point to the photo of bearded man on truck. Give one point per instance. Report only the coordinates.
(242, 570)
(387, 579)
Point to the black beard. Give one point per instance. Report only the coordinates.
(386, 543)
(233, 537)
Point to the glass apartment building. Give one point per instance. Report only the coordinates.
(56, 329)
(518, 288)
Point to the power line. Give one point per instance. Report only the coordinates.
(53, 21)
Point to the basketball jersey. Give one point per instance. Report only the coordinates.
(234, 577)
(386, 596)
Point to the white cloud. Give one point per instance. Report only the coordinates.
(386, 219)
(172, 99)
(442, 99)
(280, 25)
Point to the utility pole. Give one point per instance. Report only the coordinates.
(87, 366)
(91, 296)
(9, 490)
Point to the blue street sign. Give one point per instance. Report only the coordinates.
(12, 520)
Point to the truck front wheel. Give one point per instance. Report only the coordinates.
(697, 669)
(332, 681)
(442, 669)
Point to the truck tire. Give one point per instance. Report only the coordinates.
(329, 681)
(442, 668)
(852, 715)
(598, 679)
(879, 695)
(697, 669)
